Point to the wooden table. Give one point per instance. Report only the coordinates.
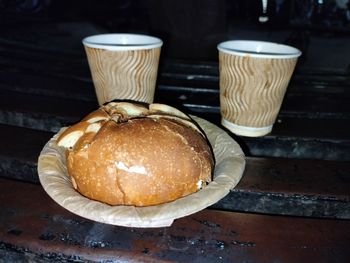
(292, 205)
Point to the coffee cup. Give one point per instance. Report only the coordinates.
(123, 66)
(254, 76)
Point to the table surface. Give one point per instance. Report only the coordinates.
(292, 204)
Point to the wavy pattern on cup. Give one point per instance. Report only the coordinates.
(252, 89)
(128, 74)
(96, 69)
(232, 82)
(246, 70)
(116, 73)
(276, 86)
(148, 74)
(231, 76)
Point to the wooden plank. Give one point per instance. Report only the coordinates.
(300, 177)
(278, 145)
(195, 99)
(191, 93)
(317, 80)
(212, 68)
(317, 139)
(194, 85)
(28, 82)
(292, 187)
(291, 137)
(20, 151)
(33, 223)
(60, 68)
(305, 105)
(269, 185)
(205, 72)
(43, 113)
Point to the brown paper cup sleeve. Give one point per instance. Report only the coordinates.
(230, 164)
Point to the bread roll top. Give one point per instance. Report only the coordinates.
(130, 154)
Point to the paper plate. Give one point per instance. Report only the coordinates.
(230, 164)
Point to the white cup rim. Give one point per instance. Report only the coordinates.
(258, 49)
(122, 41)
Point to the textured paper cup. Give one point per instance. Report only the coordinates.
(254, 76)
(123, 66)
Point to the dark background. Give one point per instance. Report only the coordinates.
(190, 29)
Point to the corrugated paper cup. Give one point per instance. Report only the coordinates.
(254, 76)
(123, 66)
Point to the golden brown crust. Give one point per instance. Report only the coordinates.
(140, 161)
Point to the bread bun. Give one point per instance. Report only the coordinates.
(131, 154)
